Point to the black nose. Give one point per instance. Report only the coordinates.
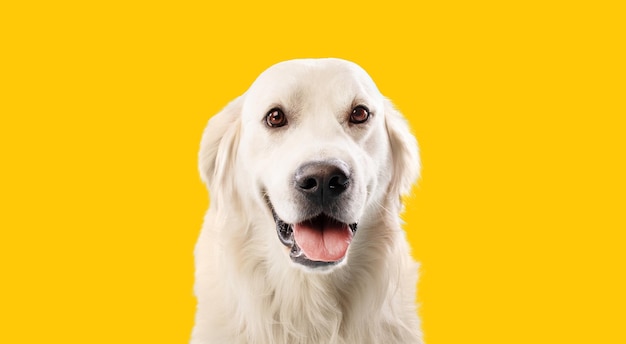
(322, 181)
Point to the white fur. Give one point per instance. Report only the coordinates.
(248, 289)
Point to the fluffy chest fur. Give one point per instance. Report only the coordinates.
(258, 302)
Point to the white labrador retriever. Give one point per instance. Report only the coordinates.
(302, 241)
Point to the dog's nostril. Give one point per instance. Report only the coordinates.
(338, 183)
(308, 184)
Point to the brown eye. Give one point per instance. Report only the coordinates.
(359, 114)
(276, 118)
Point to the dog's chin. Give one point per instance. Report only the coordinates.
(318, 243)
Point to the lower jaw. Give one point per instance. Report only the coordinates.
(316, 264)
(298, 257)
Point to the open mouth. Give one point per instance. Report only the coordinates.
(316, 242)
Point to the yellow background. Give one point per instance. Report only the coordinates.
(518, 219)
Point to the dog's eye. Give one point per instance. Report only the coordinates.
(359, 114)
(276, 118)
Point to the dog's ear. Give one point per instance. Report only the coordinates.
(404, 151)
(219, 144)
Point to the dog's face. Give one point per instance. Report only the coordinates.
(319, 148)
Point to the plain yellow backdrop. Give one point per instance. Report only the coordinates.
(518, 219)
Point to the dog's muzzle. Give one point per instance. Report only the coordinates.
(321, 239)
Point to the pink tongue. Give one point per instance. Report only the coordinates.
(323, 239)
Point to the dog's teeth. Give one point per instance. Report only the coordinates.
(295, 251)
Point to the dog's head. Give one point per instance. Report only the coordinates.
(317, 148)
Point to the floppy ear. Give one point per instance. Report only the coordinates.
(218, 148)
(404, 151)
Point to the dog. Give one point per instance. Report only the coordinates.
(302, 242)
